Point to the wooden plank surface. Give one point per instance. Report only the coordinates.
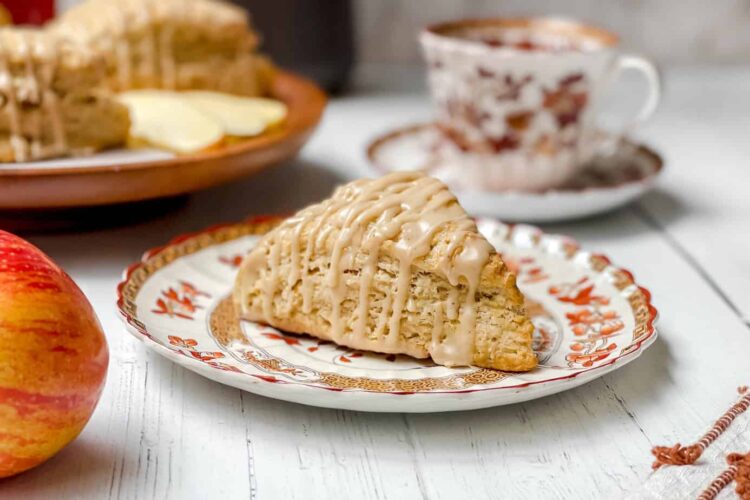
(163, 432)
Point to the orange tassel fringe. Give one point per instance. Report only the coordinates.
(738, 471)
(688, 455)
(742, 475)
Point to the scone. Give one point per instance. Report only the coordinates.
(52, 102)
(392, 265)
(171, 44)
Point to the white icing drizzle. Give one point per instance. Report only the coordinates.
(34, 88)
(148, 49)
(399, 214)
(123, 56)
(107, 25)
(168, 65)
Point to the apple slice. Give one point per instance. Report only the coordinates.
(240, 116)
(166, 120)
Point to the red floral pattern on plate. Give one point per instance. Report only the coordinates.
(526, 269)
(206, 355)
(190, 347)
(180, 342)
(579, 293)
(179, 302)
(591, 325)
(231, 260)
(224, 367)
(277, 336)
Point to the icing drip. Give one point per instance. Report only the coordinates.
(122, 46)
(149, 48)
(34, 89)
(399, 213)
(148, 61)
(168, 65)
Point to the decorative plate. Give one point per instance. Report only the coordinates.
(120, 176)
(590, 317)
(609, 181)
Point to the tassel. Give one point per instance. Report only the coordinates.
(688, 455)
(741, 463)
(738, 471)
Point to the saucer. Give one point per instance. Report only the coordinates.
(608, 182)
(590, 316)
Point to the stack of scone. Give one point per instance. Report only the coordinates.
(56, 84)
(170, 44)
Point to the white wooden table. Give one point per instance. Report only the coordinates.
(161, 431)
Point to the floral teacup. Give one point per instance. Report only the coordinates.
(518, 98)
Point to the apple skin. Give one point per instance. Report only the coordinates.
(53, 357)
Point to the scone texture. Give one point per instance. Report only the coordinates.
(502, 335)
(52, 102)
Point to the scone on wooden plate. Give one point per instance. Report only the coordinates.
(392, 265)
(171, 44)
(52, 102)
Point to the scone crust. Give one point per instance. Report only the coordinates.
(503, 333)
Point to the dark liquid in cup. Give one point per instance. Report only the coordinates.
(494, 41)
(527, 39)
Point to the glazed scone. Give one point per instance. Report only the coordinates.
(52, 102)
(391, 265)
(171, 44)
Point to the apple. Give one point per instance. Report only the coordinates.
(53, 357)
(240, 116)
(191, 121)
(163, 119)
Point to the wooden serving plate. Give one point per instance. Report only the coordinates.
(127, 176)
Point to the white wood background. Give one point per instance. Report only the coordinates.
(709, 30)
(670, 31)
(162, 432)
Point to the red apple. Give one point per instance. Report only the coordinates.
(53, 357)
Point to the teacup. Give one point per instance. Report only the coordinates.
(518, 98)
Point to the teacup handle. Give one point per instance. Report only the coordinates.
(651, 74)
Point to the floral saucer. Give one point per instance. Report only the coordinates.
(590, 317)
(607, 183)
